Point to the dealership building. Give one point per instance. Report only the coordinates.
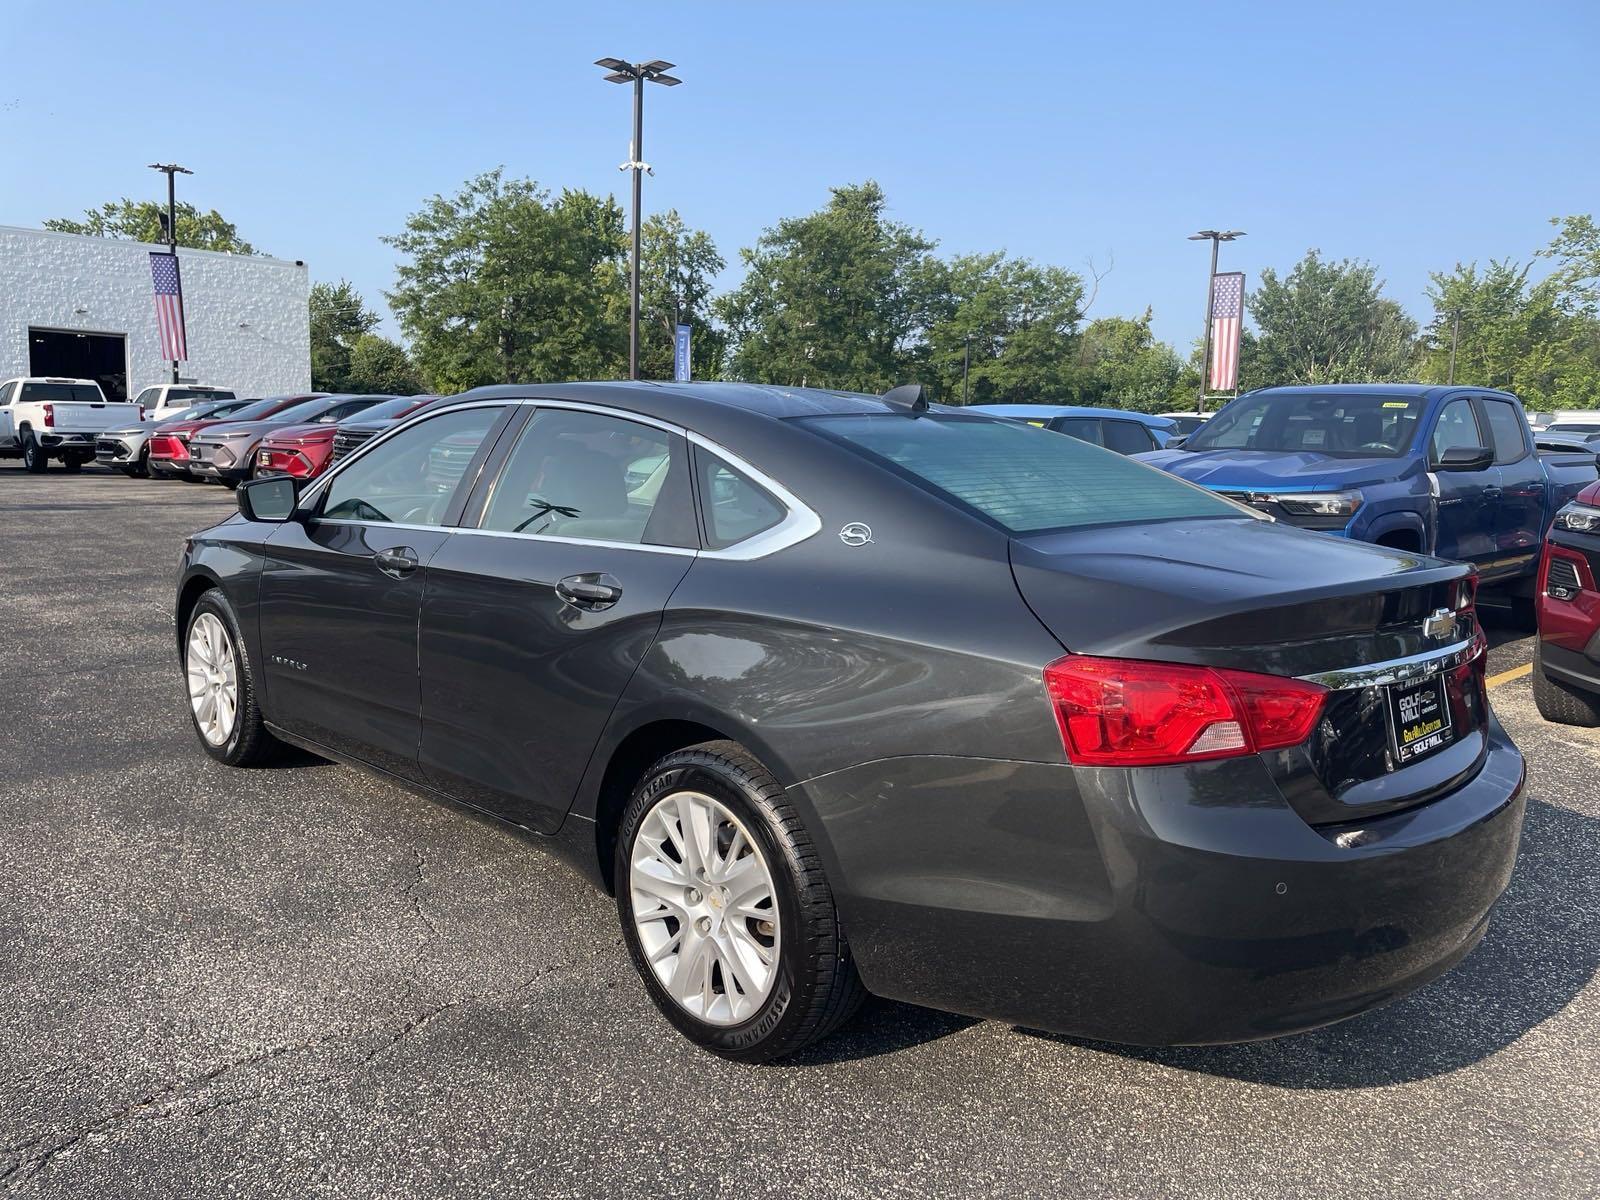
(84, 307)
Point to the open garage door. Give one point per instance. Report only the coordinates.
(102, 357)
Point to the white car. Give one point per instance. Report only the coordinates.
(164, 399)
(43, 418)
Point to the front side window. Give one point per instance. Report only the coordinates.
(1025, 480)
(148, 397)
(1457, 427)
(6, 392)
(735, 506)
(576, 474)
(1360, 425)
(411, 478)
(1509, 429)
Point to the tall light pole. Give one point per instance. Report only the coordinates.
(1455, 334)
(1215, 237)
(172, 171)
(637, 74)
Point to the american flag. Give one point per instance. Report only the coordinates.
(1227, 322)
(169, 306)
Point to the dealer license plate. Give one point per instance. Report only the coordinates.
(1419, 719)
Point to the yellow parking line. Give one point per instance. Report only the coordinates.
(1508, 676)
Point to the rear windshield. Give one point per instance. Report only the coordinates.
(390, 408)
(251, 411)
(176, 394)
(62, 393)
(1575, 427)
(1024, 479)
(303, 411)
(1357, 426)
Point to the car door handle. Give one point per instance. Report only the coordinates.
(396, 563)
(1492, 493)
(592, 592)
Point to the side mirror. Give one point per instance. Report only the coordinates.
(1176, 441)
(270, 499)
(1465, 458)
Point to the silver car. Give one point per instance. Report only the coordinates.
(127, 449)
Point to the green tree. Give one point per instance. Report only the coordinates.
(379, 366)
(503, 283)
(140, 221)
(1010, 322)
(1576, 252)
(339, 317)
(837, 298)
(1327, 322)
(677, 269)
(1121, 365)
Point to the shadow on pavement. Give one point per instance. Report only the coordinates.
(881, 1027)
(1542, 949)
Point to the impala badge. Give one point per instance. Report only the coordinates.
(856, 534)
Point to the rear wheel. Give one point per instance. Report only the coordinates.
(222, 686)
(725, 908)
(142, 469)
(33, 456)
(72, 465)
(1560, 703)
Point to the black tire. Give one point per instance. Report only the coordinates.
(249, 744)
(816, 988)
(141, 470)
(33, 456)
(1559, 703)
(72, 465)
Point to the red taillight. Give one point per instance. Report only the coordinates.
(49, 416)
(1129, 713)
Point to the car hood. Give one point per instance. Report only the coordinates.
(1230, 592)
(233, 429)
(1244, 469)
(295, 432)
(130, 430)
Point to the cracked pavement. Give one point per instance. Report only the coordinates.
(304, 982)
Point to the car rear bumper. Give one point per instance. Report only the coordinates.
(1154, 907)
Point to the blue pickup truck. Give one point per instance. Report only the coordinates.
(1448, 471)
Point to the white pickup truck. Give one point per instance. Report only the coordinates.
(164, 399)
(41, 419)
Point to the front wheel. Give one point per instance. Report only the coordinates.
(726, 910)
(72, 465)
(222, 686)
(1560, 703)
(34, 460)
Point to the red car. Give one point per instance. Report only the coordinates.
(1566, 659)
(304, 451)
(169, 449)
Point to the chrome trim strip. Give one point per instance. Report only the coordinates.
(798, 524)
(1396, 670)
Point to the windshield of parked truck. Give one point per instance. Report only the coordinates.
(61, 393)
(1349, 426)
(174, 395)
(1024, 479)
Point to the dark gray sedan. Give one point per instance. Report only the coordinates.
(840, 693)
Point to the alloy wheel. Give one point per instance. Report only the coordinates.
(213, 679)
(705, 908)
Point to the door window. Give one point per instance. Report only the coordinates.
(1127, 437)
(411, 478)
(1509, 429)
(6, 392)
(1457, 427)
(1085, 429)
(148, 398)
(589, 475)
(735, 507)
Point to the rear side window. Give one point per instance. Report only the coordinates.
(5, 393)
(1023, 479)
(735, 506)
(1085, 429)
(1508, 428)
(1127, 437)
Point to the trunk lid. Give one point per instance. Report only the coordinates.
(1257, 596)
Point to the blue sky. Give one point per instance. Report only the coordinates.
(1409, 134)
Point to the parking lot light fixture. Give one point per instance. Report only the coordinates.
(638, 74)
(1215, 237)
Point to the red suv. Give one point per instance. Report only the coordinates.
(169, 449)
(304, 451)
(1566, 662)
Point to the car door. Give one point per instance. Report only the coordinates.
(535, 617)
(1519, 509)
(341, 589)
(8, 426)
(1465, 523)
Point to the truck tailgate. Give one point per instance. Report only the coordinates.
(73, 417)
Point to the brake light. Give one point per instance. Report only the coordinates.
(49, 416)
(1131, 713)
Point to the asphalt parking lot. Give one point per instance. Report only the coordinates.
(300, 981)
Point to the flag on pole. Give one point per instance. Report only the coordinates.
(1227, 324)
(169, 305)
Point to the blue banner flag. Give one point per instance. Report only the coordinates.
(680, 355)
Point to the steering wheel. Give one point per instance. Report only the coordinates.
(1381, 446)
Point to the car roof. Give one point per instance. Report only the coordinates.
(763, 399)
(1069, 410)
(1420, 390)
